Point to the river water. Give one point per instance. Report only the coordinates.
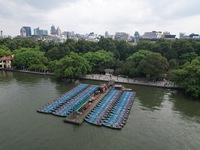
(160, 119)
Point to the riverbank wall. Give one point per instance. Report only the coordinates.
(30, 72)
(121, 80)
(135, 81)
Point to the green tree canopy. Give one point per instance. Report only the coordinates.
(131, 66)
(189, 77)
(4, 51)
(147, 45)
(108, 44)
(30, 58)
(154, 65)
(138, 56)
(72, 66)
(188, 57)
(100, 60)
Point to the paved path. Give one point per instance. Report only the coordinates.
(100, 77)
(136, 81)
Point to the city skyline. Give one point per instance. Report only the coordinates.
(85, 16)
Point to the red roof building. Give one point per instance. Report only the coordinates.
(5, 62)
(6, 58)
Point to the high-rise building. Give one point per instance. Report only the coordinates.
(27, 30)
(23, 32)
(106, 34)
(53, 30)
(58, 31)
(43, 32)
(36, 31)
(40, 32)
(136, 34)
(122, 36)
(136, 37)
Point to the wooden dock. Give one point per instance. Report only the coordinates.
(78, 117)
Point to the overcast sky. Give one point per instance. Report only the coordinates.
(85, 16)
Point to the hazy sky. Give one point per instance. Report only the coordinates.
(85, 16)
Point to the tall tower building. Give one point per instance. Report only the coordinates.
(25, 31)
(36, 31)
(53, 30)
(106, 34)
(58, 31)
(136, 36)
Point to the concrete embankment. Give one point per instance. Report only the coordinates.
(122, 80)
(134, 81)
(30, 72)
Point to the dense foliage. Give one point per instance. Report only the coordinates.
(153, 60)
(189, 77)
(29, 58)
(100, 60)
(72, 66)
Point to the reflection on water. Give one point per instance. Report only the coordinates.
(187, 107)
(150, 98)
(6, 76)
(26, 78)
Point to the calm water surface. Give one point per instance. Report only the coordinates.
(159, 119)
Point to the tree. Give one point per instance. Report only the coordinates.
(154, 65)
(4, 51)
(164, 47)
(72, 66)
(146, 45)
(57, 53)
(182, 46)
(83, 46)
(188, 57)
(52, 65)
(138, 56)
(131, 66)
(108, 44)
(188, 77)
(173, 64)
(100, 60)
(30, 58)
(124, 49)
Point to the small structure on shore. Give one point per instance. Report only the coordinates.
(109, 71)
(6, 61)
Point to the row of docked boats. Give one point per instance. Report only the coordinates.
(119, 114)
(113, 110)
(70, 99)
(68, 107)
(103, 107)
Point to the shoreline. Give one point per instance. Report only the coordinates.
(117, 79)
(30, 72)
(120, 80)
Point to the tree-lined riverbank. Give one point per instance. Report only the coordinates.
(177, 61)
